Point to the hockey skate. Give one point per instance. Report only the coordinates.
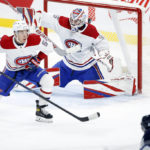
(41, 114)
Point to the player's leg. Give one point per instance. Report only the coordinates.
(7, 85)
(46, 83)
(93, 73)
(65, 73)
(45, 80)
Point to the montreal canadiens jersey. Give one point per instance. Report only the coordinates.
(17, 57)
(87, 38)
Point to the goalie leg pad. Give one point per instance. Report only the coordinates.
(113, 87)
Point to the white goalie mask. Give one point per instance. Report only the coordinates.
(77, 19)
(19, 26)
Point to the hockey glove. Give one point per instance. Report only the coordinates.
(31, 17)
(145, 147)
(145, 123)
(107, 61)
(33, 63)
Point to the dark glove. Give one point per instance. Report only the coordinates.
(145, 144)
(33, 63)
(145, 123)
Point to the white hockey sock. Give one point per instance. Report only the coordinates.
(46, 95)
(46, 83)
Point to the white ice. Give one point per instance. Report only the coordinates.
(118, 127)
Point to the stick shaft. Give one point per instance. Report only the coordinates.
(36, 93)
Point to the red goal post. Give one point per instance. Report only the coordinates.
(119, 7)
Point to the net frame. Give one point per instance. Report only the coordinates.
(118, 6)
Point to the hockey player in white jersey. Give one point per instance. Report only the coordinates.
(24, 51)
(73, 31)
(83, 64)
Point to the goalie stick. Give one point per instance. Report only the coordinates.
(57, 49)
(82, 119)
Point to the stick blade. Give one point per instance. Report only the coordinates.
(94, 116)
(91, 117)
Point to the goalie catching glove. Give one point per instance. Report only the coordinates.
(105, 58)
(107, 61)
(31, 17)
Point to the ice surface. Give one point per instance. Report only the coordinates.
(118, 128)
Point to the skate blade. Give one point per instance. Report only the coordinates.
(41, 119)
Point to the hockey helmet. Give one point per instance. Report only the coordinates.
(20, 25)
(77, 19)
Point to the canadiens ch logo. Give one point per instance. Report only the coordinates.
(71, 42)
(22, 60)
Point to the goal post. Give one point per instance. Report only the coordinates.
(119, 6)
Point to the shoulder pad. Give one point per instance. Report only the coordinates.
(91, 31)
(7, 42)
(33, 39)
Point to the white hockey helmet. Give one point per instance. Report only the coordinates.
(77, 19)
(20, 25)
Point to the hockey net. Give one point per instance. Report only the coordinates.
(123, 25)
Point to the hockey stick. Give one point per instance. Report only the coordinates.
(82, 119)
(57, 49)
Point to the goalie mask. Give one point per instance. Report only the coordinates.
(77, 19)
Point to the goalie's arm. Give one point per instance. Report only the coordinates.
(42, 18)
(50, 20)
(67, 51)
(102, 53)
(48, 46)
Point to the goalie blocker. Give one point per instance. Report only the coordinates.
(108, 88)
